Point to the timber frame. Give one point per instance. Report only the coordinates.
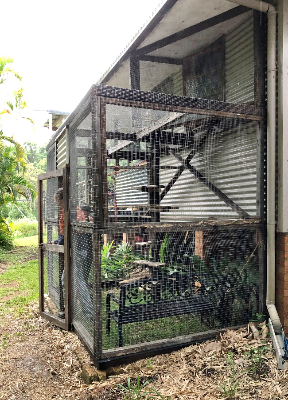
(219, 114)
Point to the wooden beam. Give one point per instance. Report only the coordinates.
(56, 248)
(243, 214)
(192, 105)
(192, 153)
(164, 60)
(134, 72)
(120, 136)
(50, 175)
(192, 30)
(140, 38)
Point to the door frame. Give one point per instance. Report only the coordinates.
(63, 175)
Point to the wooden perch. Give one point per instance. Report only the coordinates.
(149, 263)
(148, 188)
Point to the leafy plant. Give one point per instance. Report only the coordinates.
(164, 249)
(140, 391)
(6, 237)
(230, 388)
(117, 262)
(24, 227)
(257, 363)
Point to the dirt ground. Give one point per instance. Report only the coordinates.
(39, 361)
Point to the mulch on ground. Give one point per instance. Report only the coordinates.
(40, 361)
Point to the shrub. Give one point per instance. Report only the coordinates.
(24, 227)
(119, 264)
(6, 237)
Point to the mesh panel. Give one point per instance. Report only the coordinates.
(54, 292)
(53, 228)
(190, 184)
(167, 194)
(82, 284)
(80, 163)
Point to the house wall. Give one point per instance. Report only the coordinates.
(282, 278)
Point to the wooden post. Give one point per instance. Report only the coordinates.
(40, 250)
(98, 172)
(134, 72)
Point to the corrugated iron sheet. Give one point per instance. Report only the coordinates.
(61, 152)
(228, 160)
(125, 181)
(239, 64)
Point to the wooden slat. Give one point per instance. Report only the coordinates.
(49, 175)
(56, 248)
(164, 343)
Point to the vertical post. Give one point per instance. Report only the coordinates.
(97, 201)
(40, 249)
(154, 194)
(134, 72)
(67, 270)
(260, 47)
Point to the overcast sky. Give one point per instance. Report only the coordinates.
(62, 47)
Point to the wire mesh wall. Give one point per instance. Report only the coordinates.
(168, 198)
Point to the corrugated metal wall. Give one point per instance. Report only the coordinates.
(125, 195)
(228, 160)
(61, 152)
(239, 64)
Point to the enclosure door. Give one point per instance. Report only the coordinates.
(54, 259)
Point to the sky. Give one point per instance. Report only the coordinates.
(61, 48)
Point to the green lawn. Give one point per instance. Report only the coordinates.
(19, 281)
(28, 241)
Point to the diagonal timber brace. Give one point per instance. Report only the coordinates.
(186, 164)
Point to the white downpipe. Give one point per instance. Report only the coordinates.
(271, 158)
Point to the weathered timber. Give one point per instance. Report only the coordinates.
(149, 263)
(242, 213)
(50, 175)
(56, 248)
(190, 105)
(192, 30)
(163, 60)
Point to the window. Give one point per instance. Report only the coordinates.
(203, 73)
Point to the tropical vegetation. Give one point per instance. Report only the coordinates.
(14, 184)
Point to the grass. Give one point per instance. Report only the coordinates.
(18, 288)
(19, 281)
(27, 241)
(148, 331)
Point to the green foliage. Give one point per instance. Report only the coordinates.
(31, 241)
(6, 237)
(19, 283)
(230, 388)
(13, 183)
(140, 391)
(164, 249)
(24, 227)
(117, 261)
(257, 363)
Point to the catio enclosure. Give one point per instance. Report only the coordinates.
(163, 214)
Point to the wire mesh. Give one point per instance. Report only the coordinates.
(188, 181)
(167, 195)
